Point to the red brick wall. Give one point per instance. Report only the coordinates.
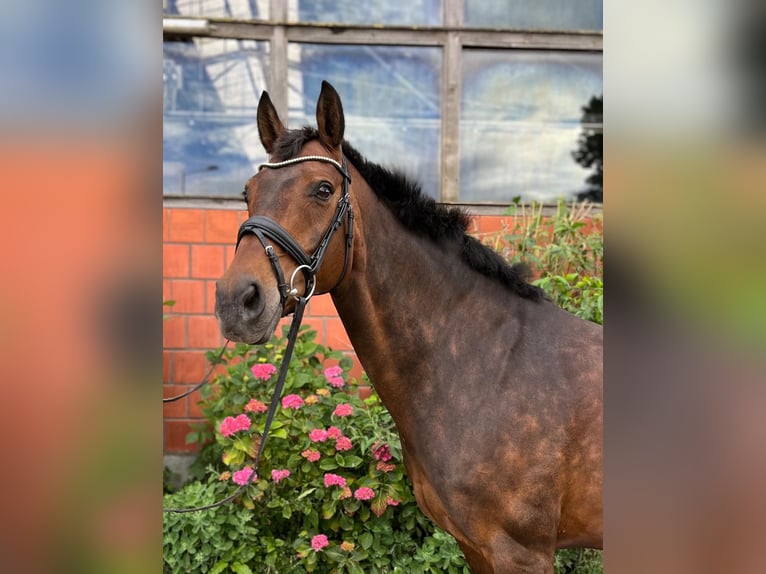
(198, 244)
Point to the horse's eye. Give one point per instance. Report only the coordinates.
(324, 191)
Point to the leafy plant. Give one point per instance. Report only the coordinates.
(565, 251)
(331, 493)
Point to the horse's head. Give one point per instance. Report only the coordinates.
(288, 247)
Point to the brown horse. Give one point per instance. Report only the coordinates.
(496, 392)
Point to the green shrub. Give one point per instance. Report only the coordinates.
(347, 484)
(565, 251)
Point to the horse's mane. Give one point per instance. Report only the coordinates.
(422, 215)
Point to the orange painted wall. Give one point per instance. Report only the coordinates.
(198, 244)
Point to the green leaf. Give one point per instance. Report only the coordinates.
(352, 461)
(366, 540)
(328, 464)
(240, 568)
(220, 566)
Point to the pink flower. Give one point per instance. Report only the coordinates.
(230, 425)
(292, 402)
(364, 493)
(384, 466)
(343, 443)
(277, 475)
(311, 455)
(343, 410)
(345, 493)
(333, 376)
(319, 541)
(243, 476)
(255, 406)
(334, 432)
(392, 501)
(318, 435)
(383, 453)
(263, 371)
(331, 479)
(333, 372)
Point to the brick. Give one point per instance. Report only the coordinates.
(204, 332)
(165, 225)
(175, 437)
(221, 226)
(322, 306)
(335, 335)
(166, 295)
(175, 260)
(177, 409)
(207, 261)
(188, 295)
(491, 223)
(174, 332)
(195, 412)
(189, 366)
(187, 225)
(166, 371)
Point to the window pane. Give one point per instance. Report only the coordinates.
(210, 96)
(413, 12)
(391, 99)
(255, 9)
(535, 14)
(521, 117)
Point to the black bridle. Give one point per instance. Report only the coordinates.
(266, 228)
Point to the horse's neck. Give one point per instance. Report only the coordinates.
(404, 300)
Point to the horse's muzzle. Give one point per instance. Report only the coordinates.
(243, 311)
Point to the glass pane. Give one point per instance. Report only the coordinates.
(521, 115)
(210, 96)
(250, 9)
(413, 12)
(535, 14)
(391, 99)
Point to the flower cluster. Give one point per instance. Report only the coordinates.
(331, 479)
(230, 425)
(318, 435)
(343, 410)
(311, 455)
(343, 444)
(382, 453)
(263, 371)
(256, 406)
(279, 474)
(242, 477)
(364, 493)
(292, 402)
(333, 376)
(319, 541)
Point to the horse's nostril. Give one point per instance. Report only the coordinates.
(251, 298)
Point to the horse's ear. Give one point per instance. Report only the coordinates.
(269, 124)
(330, 119)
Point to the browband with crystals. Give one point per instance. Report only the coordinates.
(321, 158)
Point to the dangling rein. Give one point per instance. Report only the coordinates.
(266, 228)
